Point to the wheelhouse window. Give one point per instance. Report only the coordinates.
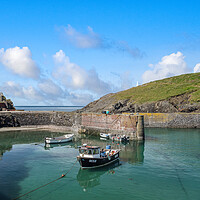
(89, 151)
(95, 151)
(82, 151)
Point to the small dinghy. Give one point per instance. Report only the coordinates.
(119, 138)
(61, 139)
(93, 156)
(104, 135)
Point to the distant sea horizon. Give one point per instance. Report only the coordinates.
(49, 108)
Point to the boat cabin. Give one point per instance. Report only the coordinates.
(95, 151)
(89, 151)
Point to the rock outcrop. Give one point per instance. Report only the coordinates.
(172, 95)
(5, 104)
(173, 105)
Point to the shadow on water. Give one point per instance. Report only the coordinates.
(3, 197)
(13, 170)
(13, 158)
(168, 154)
(89, 178)
(12, 163)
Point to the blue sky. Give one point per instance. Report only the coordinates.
(73, 52)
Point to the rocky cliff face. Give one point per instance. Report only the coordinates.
(172, 105)
(171, 95)
(5, 104)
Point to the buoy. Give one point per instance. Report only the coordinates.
(62, 175)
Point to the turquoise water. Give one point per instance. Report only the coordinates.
(165, 166)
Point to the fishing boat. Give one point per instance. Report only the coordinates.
(61, 139)
(93, 156)
(119, 138)
(104, 135)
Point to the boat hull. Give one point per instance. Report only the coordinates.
(104, 135)
(97, 162)
(58, 140)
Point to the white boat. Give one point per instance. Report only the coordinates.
(104, 135)
(61, 139)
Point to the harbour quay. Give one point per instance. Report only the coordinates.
(131, 125)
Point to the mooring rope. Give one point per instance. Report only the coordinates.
(176, 171)
(63, 175)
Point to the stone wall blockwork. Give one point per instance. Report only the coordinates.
(37, 118)
(171, 120)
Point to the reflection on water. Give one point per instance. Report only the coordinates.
(65, 144)
(165, 166)
(89, 178)
(131, 152)
(24, 143)
(8, 139)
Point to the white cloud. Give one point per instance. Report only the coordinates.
(89, 40)
(33, 94)
(125, 47)
(70, 73)
(42, 95)
(50, 88)
(81, 99)
(125, 80)
(94, 40)
(75, 77)
(170, 65)
(14, 89)
(197, 68)
(20, 62)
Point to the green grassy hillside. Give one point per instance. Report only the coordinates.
(164, 89)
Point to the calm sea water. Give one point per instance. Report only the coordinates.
(48, 108)
(165, 166)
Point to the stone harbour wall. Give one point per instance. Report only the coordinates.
(127, 123)
(38, 118)
(172, 120)
(130, 125)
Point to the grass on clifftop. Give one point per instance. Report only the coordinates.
(164, 89)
